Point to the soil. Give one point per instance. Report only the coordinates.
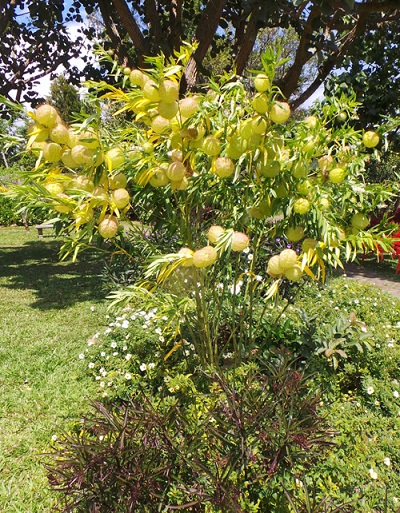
(367, 275)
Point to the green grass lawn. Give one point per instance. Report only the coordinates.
(48, 309)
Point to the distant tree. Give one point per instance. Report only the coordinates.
(34, 39)
(65, 98)
(372, 71)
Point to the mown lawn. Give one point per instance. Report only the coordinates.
(48, 310)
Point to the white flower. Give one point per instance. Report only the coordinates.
(370, 390)
(54, 438)
(161, 339)
(128, 356)
(125, 324)
(373, 474)
(143, 367)
(299, 483)
(128, 376)
(115, 353)
(386, 461)
(101, 384)
(113, 345)
(102, 353)
(91, 365)
(395, 394)
(151, 365)
(101, 437)
(81, 356)
(250, 257)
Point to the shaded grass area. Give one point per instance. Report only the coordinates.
(47, 311)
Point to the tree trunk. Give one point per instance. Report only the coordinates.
(112, 31)
(245, 44)
(205, 32)
(175, 25)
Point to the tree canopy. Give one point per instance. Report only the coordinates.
(35, 38)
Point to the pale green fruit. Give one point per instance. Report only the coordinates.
(127, 71)
(46, 115)
(254, 142)
(311, 121)
(261, 82)
(37, 147)
(274, 266)
(325, 162)
(309, 145)
(240, 241)
(294, 273)
(83, 182)
(246, 130)
(186, 253)
(308, 244)
(260, 103)
(214, 233)
(83, 214)
(52, 152)
(168, 110)
(303, 187)
(108, 227)
(236, 147)
(99, 193)
(160, 125)
(59, 134)
(266, 206)
(301, 206)
(82, 155)
(370, 139)
(299, 170)
(54, 188)
(118, 181)
(89, 139)
(150, 91)
(224, 167)
(359, 221)
(121, 198)
(159, 178)
(259, 125)
(323, 204)
(136, 78)
(148, 147)
(67, 160)
(176, 171)
(115, 157)
(168, 91)
(73, 138)
(294, 233)
(62, 208)
(281, 191)
(211, 146)
(176, 140)
(182, 185)
(255, 212)
(204, 257)
(177, 155)
(337, 175)
(280, 112)
(39, 132)
(287, 258)
(188, 107)
(270, 169)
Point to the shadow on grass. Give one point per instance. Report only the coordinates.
(36, 267)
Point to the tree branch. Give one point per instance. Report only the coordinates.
(290, 80)
(112, 31)
(333, 61)
(130, 25)
(175, 24)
